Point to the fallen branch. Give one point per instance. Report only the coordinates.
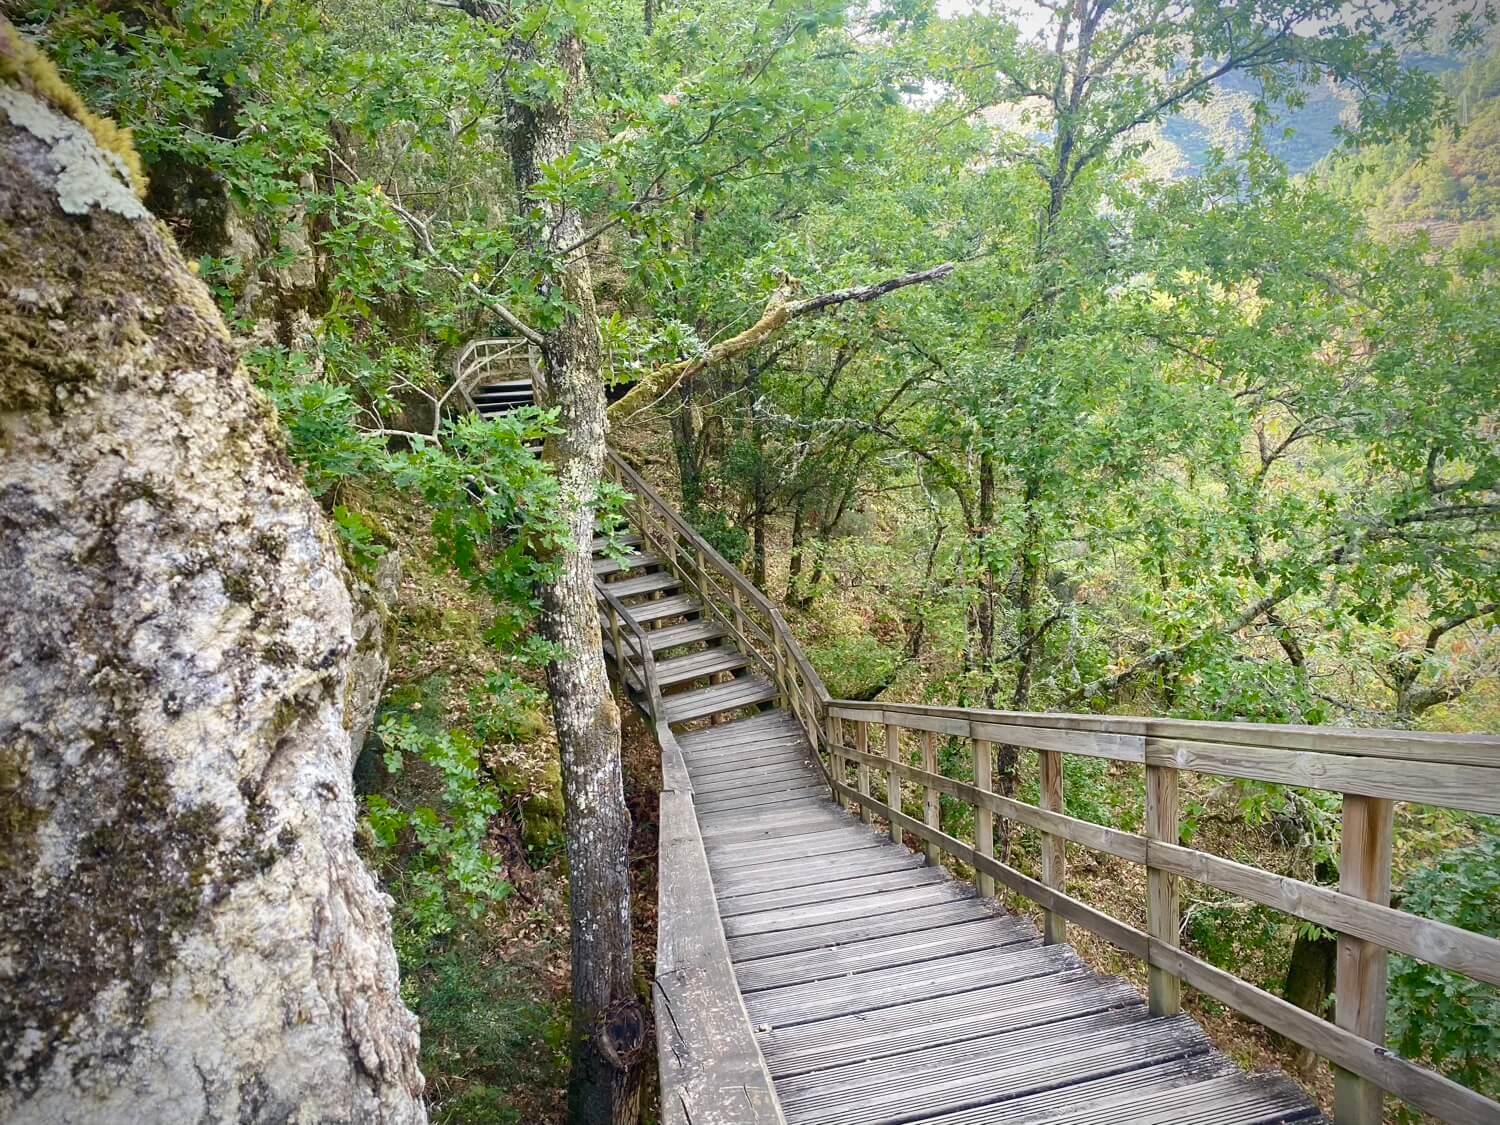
(779, 310)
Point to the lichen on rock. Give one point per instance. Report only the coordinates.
(187, 932)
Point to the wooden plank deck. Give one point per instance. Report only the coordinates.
(814, 972)
(884, 991)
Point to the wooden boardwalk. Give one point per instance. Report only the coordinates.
(880, 989)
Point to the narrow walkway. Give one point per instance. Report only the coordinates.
(883, 990)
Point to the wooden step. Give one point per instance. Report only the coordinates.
(633, 561)
(646, 584)
(690, 633)
(747, 691)
(662, 639)
(657, 608)
(625, 541)
(696, 665)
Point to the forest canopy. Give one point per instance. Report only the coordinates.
(1205, 433)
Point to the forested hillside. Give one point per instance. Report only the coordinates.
(897, 305)
(1449, 190)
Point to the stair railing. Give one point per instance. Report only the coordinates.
(620, 625)
(756, 625)
(479, 356)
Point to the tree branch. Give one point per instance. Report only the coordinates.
(778, 311)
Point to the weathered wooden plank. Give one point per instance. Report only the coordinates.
(984, 1070)
(746, 691)
(892, 778)
(646, 584)
(698, 665)
(932, 807)
(984, 818)
(902, 1028)
(835, 891)
(785, 876)
(1054, 846)
(1117, 1098)
(843, 933)
(774, 919)
(636, 560)
(1360, 988)
(772, 802)
(1473, 788)
(992, 934)
(1162, 906)
(924, 980)
(676, 635)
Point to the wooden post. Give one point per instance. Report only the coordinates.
(783, 698)
(742, 637)
(1161, 888)
(614, 637)
(862, 744)
(984, 819)
(698, 562)
(1360, 983)
(836, 765)
(892, 781)
(932, 804)
(1055, 848)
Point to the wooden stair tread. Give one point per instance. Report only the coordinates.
(632, 561)
(700, 703)
(674, 605)
(645, 584)
(695, 665)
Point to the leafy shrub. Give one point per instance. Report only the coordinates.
(1450, 1021)
(449, 871)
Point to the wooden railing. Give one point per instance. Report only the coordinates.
(476, 359)
(754, 624)
(1371, 769)
(618, 625)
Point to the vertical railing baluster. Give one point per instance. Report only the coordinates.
(835, 731)
(932, 805)
(1360, 980)
(892, 780)
(862, 744)
(1055, 848)
(984, 818)
(1162, 799)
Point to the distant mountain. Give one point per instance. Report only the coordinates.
(1453, 190)
(1301, 137)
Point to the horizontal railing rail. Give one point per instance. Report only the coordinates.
(868, 751)
(1371, 769)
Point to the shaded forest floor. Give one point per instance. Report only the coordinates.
(491, 991)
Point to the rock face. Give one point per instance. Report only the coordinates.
(374, 631)
(186, 931)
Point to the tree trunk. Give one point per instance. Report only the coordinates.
(794, 558)
(609, 1022)
(186, 930)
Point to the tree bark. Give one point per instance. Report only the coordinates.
(186, 930)
(609, 1038)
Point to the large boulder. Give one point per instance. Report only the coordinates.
(186, 930)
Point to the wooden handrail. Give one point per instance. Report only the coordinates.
(729, 596)
(1372, 769)
(620, 619)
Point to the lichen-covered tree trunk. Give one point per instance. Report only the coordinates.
(186, 930)
(609, 1023)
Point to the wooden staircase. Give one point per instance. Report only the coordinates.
(696, 667)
